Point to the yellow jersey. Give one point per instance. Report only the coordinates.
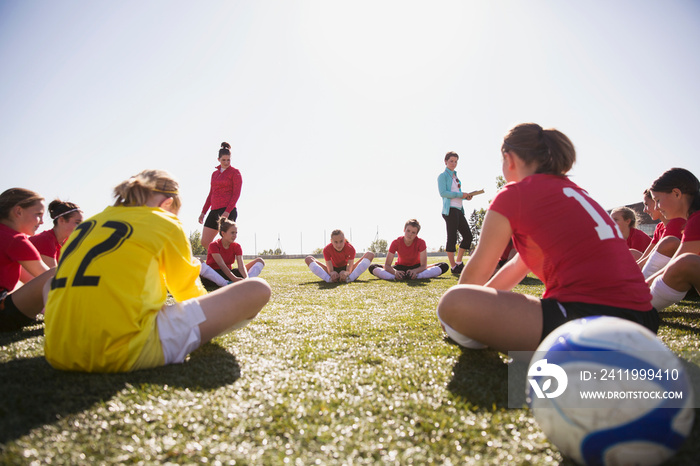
(112, 279)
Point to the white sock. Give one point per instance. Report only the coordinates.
(655, 262)
(211, 275)
(460, 339)
(430, 272)
(663, 295)
(319, 272)
(361, 267)
(383, 274)
(256, 269)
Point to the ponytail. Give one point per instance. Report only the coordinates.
(225, 149)
(549, 149)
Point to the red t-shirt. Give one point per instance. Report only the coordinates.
(674, 227)
(46, 243)
(692, 228)
(228, 255)
(571, 243)
(658, 232)
(638, 240)
(339, 258)
(14, 247)
(408, 255)
(225, 189)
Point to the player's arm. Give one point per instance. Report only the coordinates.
(241, 266)
(423, 264)
(643, 259)
(510, 274)
(331, 271)
(691, 247)
(494, 237)
(387, 263)
(49, 261)
(31, 269)
(224, 268)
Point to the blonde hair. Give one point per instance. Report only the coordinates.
(628, 214)
(137, 190)
(412, 222)
(17, 197)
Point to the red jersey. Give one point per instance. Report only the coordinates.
(571, 243)
(14, 247)
(339, 258)
(225, 189)
(674, 227)
(228, 255)
(692, 228)
(658, 233)
(46, 243)
(408, 255)
(638, 240)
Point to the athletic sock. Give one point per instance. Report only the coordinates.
(319, 272)
(381, 273)
(656, 262)
(256, 269)
(361, 267)
(212, 275)
(663, 295)
(460, 339)
(11, 319)
(431, 272)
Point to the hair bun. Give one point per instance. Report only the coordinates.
(225, 145)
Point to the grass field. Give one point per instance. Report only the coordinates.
(356, 373)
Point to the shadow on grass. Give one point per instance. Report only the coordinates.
(34, 394)
(531, 281)
(480, 378)
(7, 338)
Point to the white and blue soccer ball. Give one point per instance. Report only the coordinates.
(607, 355)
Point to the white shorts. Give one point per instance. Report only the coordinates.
(178, 329)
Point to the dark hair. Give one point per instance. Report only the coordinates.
(451, 154)
(17, 197)
(413, 223)
(58, 208)
(225, 149)
(225, 224)
(647, 193)
(337, 232)
(551, 150)
(684, 181)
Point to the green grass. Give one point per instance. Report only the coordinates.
(356, 373)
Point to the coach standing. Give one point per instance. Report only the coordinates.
(452, 211)
(223, 195)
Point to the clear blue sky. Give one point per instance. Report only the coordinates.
(339, 113)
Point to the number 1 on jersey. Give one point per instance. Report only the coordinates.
(604, 230)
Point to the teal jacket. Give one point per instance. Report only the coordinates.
(445, 188)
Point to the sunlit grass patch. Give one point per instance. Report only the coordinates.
(328, 373)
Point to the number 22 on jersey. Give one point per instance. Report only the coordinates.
(122, 232)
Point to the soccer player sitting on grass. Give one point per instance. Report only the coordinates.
(670, 284)
(412, 259)
(340, 264)
(106, 309)
(562, 235)
(221, 255)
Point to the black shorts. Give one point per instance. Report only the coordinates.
(553, 316)
(340, 269)
(404, 268)
(212, 220)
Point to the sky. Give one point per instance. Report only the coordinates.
(339, 114)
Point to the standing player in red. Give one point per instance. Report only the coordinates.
(340, 264)
(225, 190)
(562, 235)
(413, 257)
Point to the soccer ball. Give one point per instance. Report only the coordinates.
(607, 405)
